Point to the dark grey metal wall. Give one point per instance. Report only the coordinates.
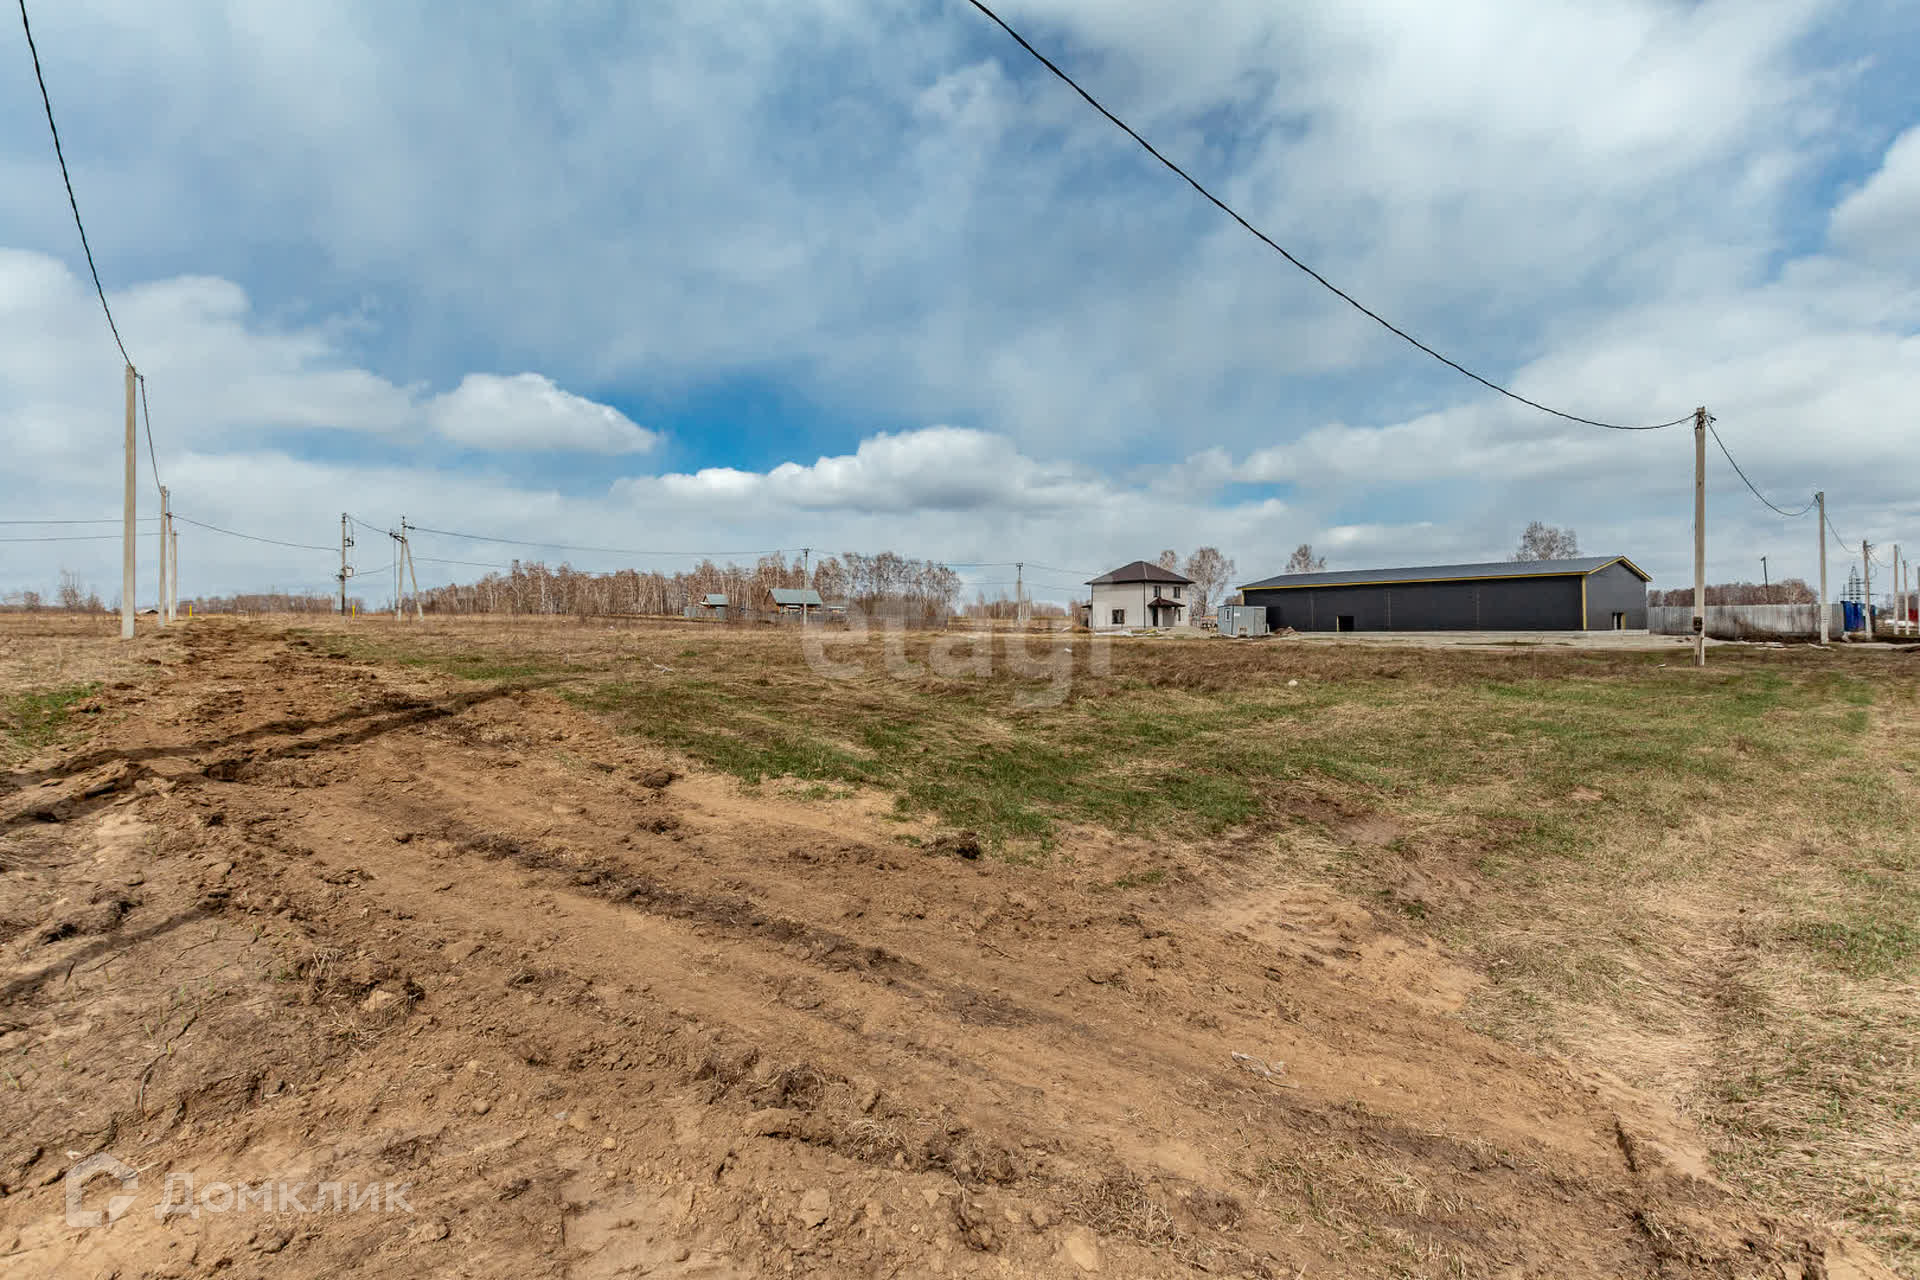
(1616, 589)
(1474, 604)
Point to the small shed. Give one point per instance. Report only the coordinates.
(797, 602)
(1243, 620)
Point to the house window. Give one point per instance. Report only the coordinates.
(1119, 617)
(1176, 593)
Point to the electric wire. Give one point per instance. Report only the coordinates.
(613, 551)
(102, 520)
(67, 178)
(147, 419)
(1264, 238)
(1791, 515)
(252, 537)
(70, 537)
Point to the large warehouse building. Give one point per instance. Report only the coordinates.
(1598, 593)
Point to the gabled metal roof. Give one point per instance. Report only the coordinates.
(714, 600)
(1575, 568)
(1138, 571)
(797, 596)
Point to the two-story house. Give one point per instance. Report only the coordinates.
(1139, 595)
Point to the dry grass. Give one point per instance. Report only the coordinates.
(1706, 882)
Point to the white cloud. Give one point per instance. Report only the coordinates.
(1881, 221)
(931, 469)
(528, 412)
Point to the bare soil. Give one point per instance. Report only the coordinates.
(286, 917)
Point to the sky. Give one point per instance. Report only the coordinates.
(732, 276)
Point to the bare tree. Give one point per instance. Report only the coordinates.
(70, 595)
(1169, 560)
(1210, 572)
(1545, 542)
(1304, 561)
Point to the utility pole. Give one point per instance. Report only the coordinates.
(406, 549)
(806, 562)
(160, 599)
(1700, 537)
(346, 540)
(1820, 499)
(126, 535)
(1020, 592)
(1866, 586)
(173, 571)
(1765, 585)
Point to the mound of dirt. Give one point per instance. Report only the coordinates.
(373, 929)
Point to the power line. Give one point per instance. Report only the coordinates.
(67, 178)
(612, 551)
(147, 418)
(71, 537)
(105, 520)
(1743, 477)
(1264, 238)
(251, 537)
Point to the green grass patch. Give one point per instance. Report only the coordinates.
(30, 721)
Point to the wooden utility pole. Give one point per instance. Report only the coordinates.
(126, 537)
(346, 540)
(1866, 587)
(1820, 499)
(1700, 537)
(806, 573)
(1764, 584)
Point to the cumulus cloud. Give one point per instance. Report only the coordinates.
(932, 469)
(941, 235)
(1880, 222)
(528, 412)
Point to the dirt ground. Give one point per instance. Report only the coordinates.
(278, 919)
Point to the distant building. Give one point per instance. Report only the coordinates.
(1596, 593)
(1139, 595)
(711, 605)
(797, 602)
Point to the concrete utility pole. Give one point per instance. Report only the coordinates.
(1899, 586)
(346, 540)
(406, 549)
(1820, 499)
(1866, 587)
(1700, 537)
(1020, 592)
(173, 572)
(126, 538)
(160, 599)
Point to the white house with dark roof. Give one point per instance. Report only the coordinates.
(1139, 595)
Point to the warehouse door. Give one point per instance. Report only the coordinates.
(1343, 622)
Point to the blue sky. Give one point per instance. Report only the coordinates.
(850, 275)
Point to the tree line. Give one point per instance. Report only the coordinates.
(881, 584)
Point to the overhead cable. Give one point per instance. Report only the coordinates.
(1324, 283)
(252, 537)
(67, 178)
(1750, 485)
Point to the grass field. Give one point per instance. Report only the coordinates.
(1705, 881)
